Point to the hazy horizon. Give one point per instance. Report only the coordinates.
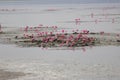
(56, 1)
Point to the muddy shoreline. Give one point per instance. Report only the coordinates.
(6, 75)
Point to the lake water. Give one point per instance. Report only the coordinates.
(95, 63)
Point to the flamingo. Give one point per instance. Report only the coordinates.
(36, 30)
(33, 39)
(25, 36)
(61, 44)
(32, 35)
(63, 31)
(52, 39)
(79, 36)
(77, 21)
(85, 31)
(56, 27)
(67, 42)
(102, 32)
(43, 33)
(31, 28)
(40, 25)
(77, 30)
(26, 28)
(51, 33)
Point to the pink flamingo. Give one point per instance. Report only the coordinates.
(36, 30)
(102, 32)
(73, 43)
(63, 31)
(77, 30)
(32, 35)
(25, 35)
(61, 44)
(43, 33)
(26, 28)
(40, 25)
(31, 28)
(51, 33)
(56, 27)
(71, 37)
(67, 42)
(40, 34)
(53, 27)
(85, 31)
(33, 39)
(77, 21)
(79, 36)
(52, 39)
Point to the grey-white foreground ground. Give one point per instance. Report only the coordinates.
(5, 75)
(97, 63)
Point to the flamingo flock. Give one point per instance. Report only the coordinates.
(44, 37)
(53, 36)
(62, 39)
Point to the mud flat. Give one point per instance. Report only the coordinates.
(6, 75)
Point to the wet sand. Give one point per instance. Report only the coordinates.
(97, 63)
(6, 75)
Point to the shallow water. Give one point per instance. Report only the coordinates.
(94, 64)
(63, 16)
